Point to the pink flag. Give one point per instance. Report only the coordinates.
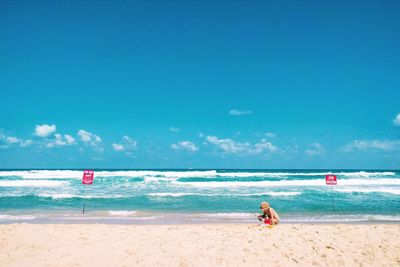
(88, 176)
(331, 180)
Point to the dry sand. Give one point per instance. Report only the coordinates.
(199, 245)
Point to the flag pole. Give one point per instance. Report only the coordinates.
(84, 200)
(333, 209)
(87, 179)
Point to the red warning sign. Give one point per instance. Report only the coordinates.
(331, 179)
(88, 176)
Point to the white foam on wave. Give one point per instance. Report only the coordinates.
(149, 179)
(282, 193)
(58, 196)
(161, 174)
(365, 174)
(172, 194)
(285, 174)
(6, 217)
(43, 174)
(313, 182)
(122, 212)
(259, 174)
(395, 191)
(31, 183)
(166, 174)
(77, 174)
(66, 195)
(71, 174)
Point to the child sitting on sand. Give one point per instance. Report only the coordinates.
(269, 214)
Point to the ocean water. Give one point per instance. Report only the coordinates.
(198, 196)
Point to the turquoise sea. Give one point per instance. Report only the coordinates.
(198, 196)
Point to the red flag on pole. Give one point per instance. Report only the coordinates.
(87, 177)
(331, 180)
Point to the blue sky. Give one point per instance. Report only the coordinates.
(199, 84)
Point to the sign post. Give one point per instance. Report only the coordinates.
(331, 180)
(87, 179)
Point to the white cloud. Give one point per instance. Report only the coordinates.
(61, 140)
(88, 137)
(127, 144)
(174, 129)
(271, 135)
(372, 144)
(7, 141)
(44, 130)
(396, 121)
(50, 145)
(25, 143)
(263, 146)
(12, 140)
(85, 136)
(118, 147)
(70, 140)
(315, 149)
(185, 145)
(231, 146)
(236, 112)
(227, 145)
(130, 144)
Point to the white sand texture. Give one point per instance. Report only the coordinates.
(199, 245)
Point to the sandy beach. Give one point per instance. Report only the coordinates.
(199, 245)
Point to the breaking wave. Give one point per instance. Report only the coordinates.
(313, 182)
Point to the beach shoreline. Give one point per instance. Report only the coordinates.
(199, 245)
(140, 217)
